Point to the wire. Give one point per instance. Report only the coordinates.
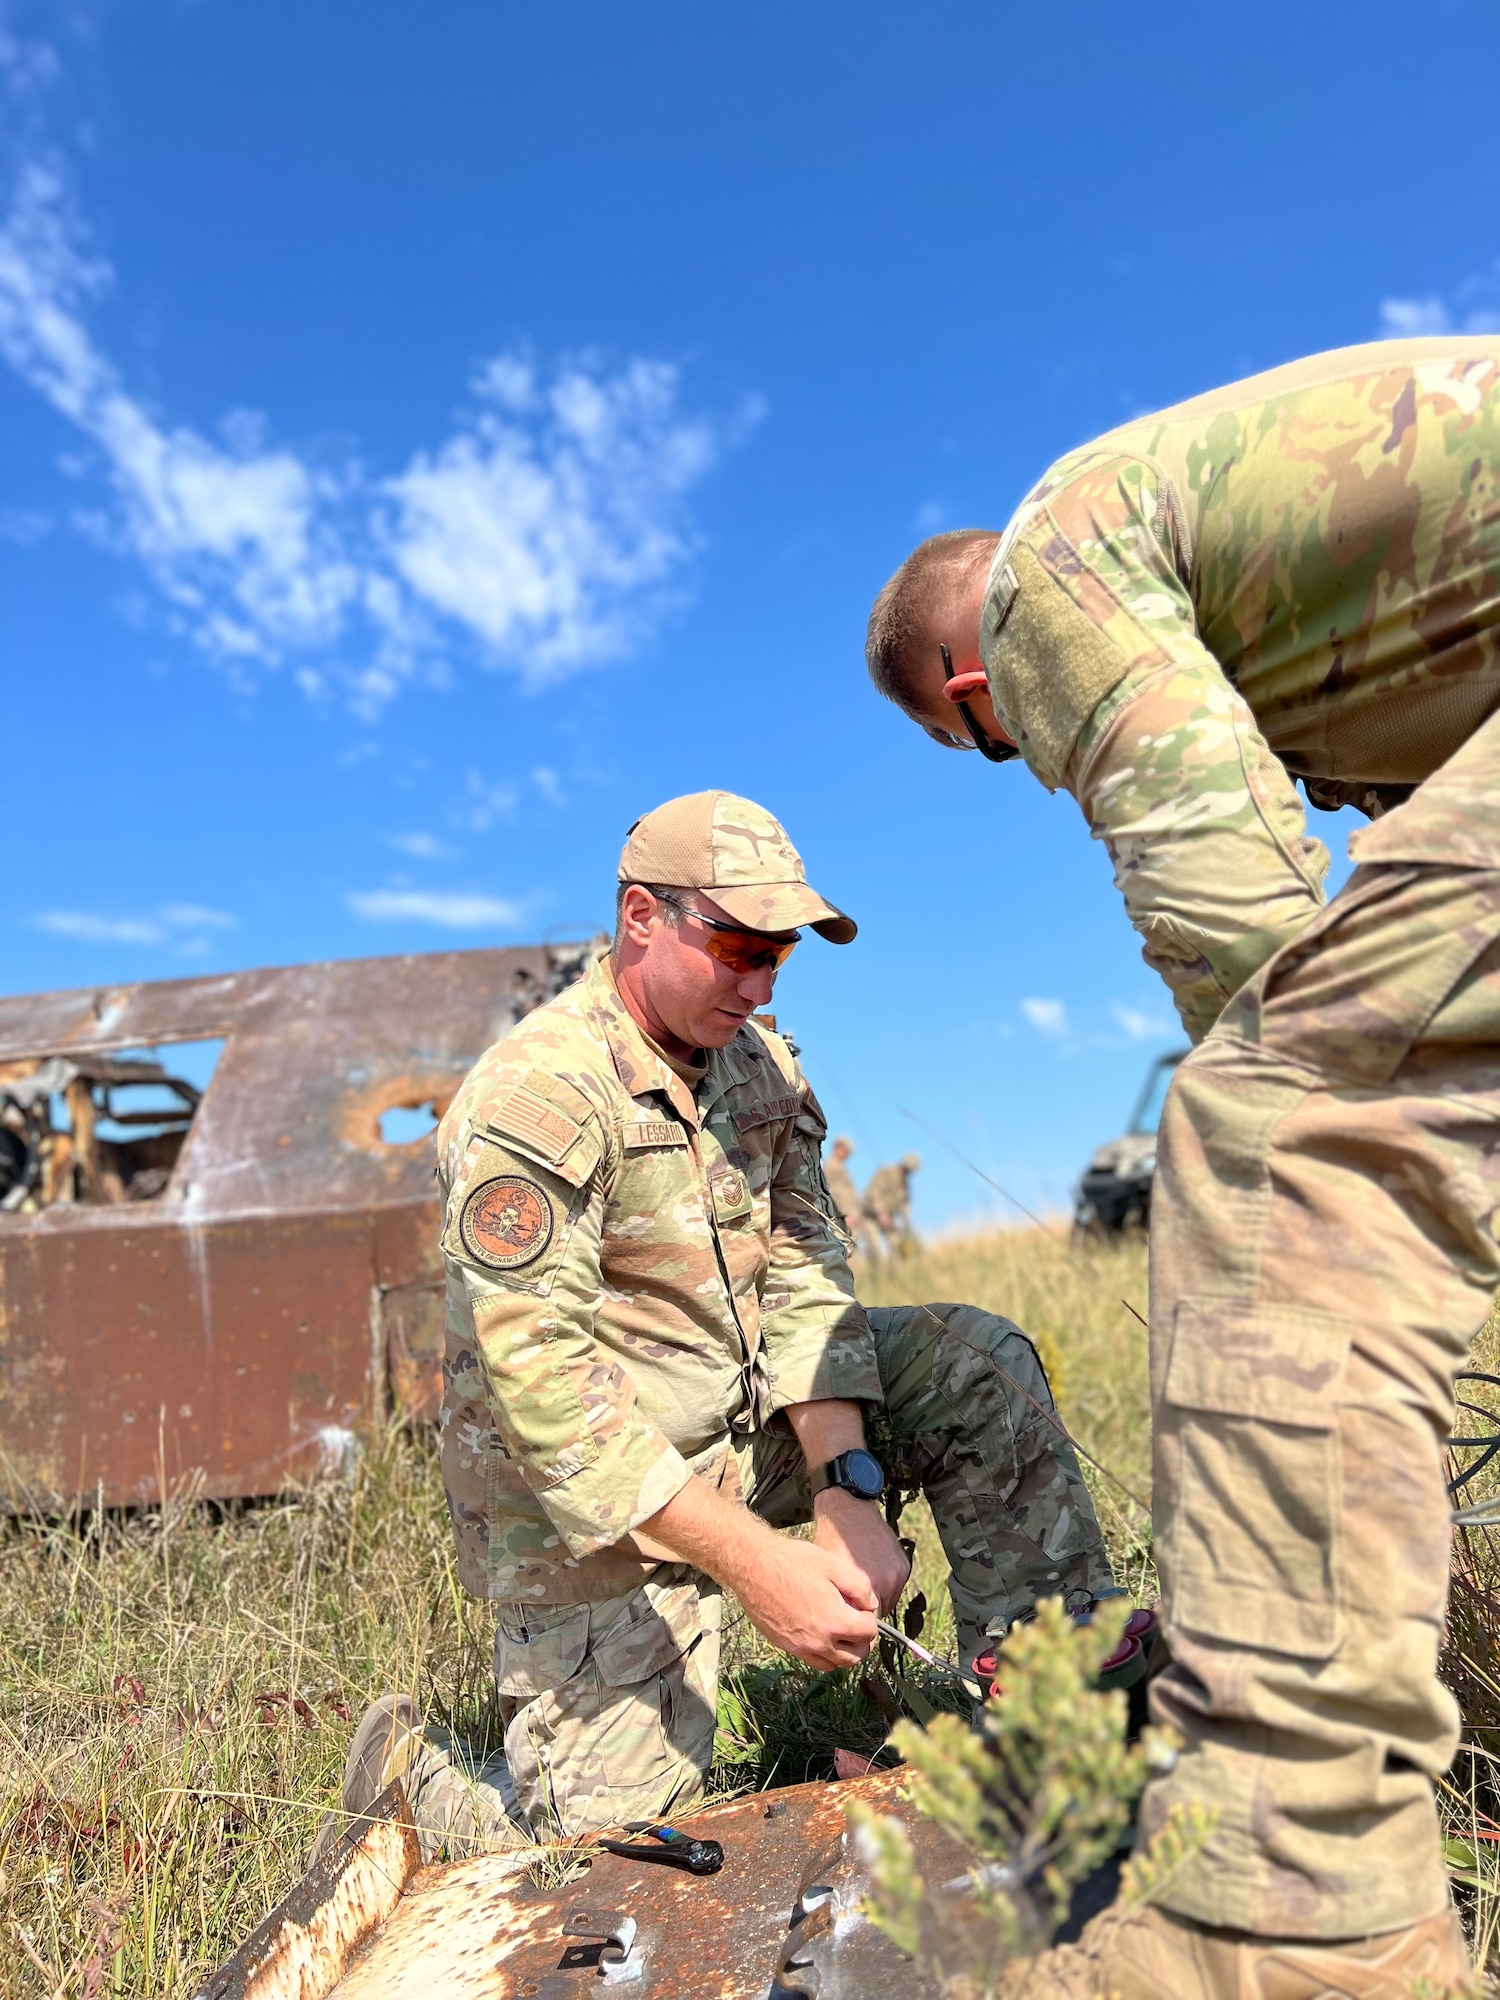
(1067, 1248)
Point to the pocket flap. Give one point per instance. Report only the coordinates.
(1283, 1364)
(656, 1627)
(538, 1650)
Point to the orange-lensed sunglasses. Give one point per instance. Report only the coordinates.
(740, 950)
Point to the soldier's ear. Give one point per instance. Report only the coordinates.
(972, 680)
(637, 908)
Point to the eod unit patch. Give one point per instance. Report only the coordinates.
(506, 1222)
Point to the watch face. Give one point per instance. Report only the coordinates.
(862, 1475)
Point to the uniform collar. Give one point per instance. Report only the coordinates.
(639, 1066)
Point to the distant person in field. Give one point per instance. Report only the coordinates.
(655, 1357)
(846, 1196)
(1293, 579)
(886, 1204)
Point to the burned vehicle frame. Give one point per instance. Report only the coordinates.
(229, 1282)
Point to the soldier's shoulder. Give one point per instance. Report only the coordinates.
(760, 1040)
(558, 1054)
(777, 1077)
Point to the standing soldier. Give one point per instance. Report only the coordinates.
(846, 1196)
(1294, 577)
(887, 1203)
(655, 1354)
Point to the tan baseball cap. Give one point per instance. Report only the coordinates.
(736, 853)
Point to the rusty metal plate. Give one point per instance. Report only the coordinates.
(252, 1316)
(780, 1920)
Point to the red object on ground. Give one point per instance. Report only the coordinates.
(1140, 1629)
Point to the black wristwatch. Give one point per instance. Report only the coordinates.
(857, 1472)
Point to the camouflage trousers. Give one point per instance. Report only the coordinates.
(1323, 1251)
(610, 1707)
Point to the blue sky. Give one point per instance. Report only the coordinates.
(434, 434)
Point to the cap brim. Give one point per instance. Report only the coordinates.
(784, 906)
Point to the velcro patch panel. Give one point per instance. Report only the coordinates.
(643, 1133)
(762, 1114)
(526, 1120)
(560, 1094)
(523, 1115)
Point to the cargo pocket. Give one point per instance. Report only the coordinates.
(1254, 1544)
(540, 1649)
(658, 1625)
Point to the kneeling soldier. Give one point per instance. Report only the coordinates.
(655, 1359)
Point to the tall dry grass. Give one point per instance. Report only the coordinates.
(177, 1687)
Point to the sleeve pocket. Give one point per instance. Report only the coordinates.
(1252, 1542)
(509, 1219)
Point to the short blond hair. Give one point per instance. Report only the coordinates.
(903, 615)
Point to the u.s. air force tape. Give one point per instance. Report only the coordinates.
(506, 1222)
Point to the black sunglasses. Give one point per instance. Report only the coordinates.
(998, 753)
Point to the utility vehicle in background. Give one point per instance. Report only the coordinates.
(1115, 1192)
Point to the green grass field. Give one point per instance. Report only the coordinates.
(177, 1688)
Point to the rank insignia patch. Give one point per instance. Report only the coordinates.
(506, 1222)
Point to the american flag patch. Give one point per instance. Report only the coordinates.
(529, 1118)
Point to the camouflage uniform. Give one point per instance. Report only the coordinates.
(1297, 575)
(887, 1199)
(846, 1197)
(644, 1270)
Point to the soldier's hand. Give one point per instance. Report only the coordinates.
(809, 1600)
(858, 1530)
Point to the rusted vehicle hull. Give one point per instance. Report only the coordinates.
(781, 1918)
(248, 1320)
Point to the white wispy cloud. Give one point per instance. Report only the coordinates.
(197, 916)
(453, 910)
(24, 526)
(545, 524)
(232, 534)
(1048, 1017)
(89, 929)
(420, 846)
(1472, 307)
(484, 801)
(1139, 1024)
(172, 922)
(547, 531)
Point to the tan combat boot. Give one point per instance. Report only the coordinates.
(1151, 1955)
(387, 1739)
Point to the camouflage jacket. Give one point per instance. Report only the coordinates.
(889, 1193)
(846, 1198)
(634, 1267)
(1295, 576)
